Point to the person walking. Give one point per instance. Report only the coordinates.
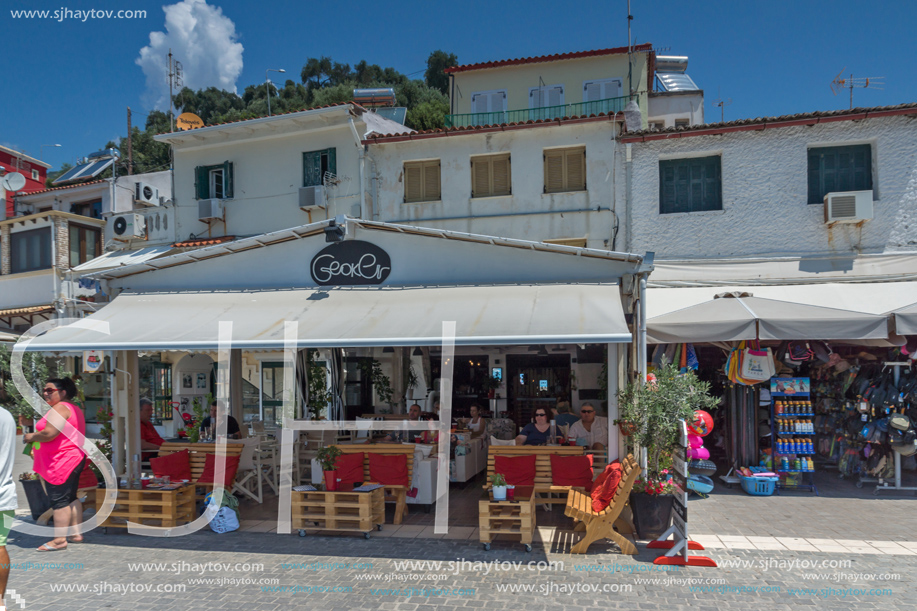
(8, 501)
(60, 461)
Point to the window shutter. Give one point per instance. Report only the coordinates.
(501, 176)
(555, 96)
(333, 161)
(666, 187)
(479, 102)
(862, 168)
(554, 171)
(431, 189)
(815, 196)
(413, 183)
(576, 170)
(592, 91)
(536, 98)
(227, 179)
(312, 169)
(480, 178)
(201, 182)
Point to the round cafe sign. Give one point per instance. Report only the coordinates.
(349, 263)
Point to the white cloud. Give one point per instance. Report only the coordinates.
(203, 40)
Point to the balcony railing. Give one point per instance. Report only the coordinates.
(581, 109)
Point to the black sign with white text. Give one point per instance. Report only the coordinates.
(350, 263)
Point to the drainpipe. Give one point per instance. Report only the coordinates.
(55, 270)
(628, 180)
(359, 143)
(641, 334)
(374, 177)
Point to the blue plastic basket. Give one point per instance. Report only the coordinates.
(759, 486)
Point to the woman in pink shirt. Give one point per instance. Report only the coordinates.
(60, 460)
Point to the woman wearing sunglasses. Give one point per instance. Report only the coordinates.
(537, 433)
(59, 461)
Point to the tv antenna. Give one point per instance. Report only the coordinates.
(175, 80)
(722, 104)
(838, 84)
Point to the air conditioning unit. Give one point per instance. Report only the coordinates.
(146, 194)
(311, 198)
(210, 210)
(848, 207)
(126, 227)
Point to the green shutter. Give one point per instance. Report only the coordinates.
(227, 180)
(312, 169)
(333, 161)
(690, 185)
(839, 168)
(201, 183)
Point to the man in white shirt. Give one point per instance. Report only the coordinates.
(8, 501)
(592, 428)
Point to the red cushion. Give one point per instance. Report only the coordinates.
(518, 470)
(176, 465)
(572, 471)
(232, 465)
(350, 468)
(88, 477)
(602, 494)
(391, 470)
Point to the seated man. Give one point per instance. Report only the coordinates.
(592, 428)
(150, 440)
(412, 432)
(232, 427)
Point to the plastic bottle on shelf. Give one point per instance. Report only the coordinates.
(811, 465)
(778, 408)
(785, 464)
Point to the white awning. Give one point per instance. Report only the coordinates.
(121, 258)
(906, 320)
(8, 337)
(352, 317)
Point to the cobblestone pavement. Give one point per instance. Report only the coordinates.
(267, 572)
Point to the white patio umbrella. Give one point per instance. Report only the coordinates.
(742, 316)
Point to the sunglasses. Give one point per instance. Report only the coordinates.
(50, 391)
(586, 411)
(541, 414)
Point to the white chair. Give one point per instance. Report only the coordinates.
(250, 481)
(268, 459)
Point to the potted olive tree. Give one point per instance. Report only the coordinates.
(328, 456)
(654, 410)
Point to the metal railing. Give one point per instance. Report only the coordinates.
(581, 109)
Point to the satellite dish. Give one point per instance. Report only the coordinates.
(188, 120)
(13, 181)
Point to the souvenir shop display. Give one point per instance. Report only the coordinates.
(792, 433)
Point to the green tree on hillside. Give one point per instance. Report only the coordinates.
(435, 76)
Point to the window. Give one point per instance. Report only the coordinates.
(272, 392)
(565, 170)
(839, 168)
(657, 125)
(85, 244)
(421, 181)
(35, 175)
(604, 89)
(315, 164)
(488, 101)
(490, 175)
(155, 383)
(30, 250)
(690, 185)
(214, 181)
(545, 102)
(682, 122)
(90, 209)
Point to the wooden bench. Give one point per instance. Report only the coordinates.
(602, 525)
(197, 457)
(543, 481)
(398, 494)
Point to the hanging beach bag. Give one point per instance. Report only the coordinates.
(757, 365)
(899, 422)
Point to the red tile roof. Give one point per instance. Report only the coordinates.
(79, 184)
(198, 242)
(452, 131)
(546, 58)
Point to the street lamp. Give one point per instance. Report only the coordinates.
(268, 87)
(41, 150)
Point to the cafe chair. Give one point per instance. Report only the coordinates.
(250, 479)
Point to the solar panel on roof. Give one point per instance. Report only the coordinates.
(676, 81)
(393, 114)
(84, 170)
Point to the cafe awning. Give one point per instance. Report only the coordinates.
(352, 317)
(906, 320)
(734, 318)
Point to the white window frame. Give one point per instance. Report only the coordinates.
(36, 175)
(490, 92)
(217, 183)
(619, 80)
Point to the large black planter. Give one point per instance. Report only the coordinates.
(37, 497)
(652, 514)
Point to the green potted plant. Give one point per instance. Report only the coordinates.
(491, 384)
(327, 456)
(654, 411)
(498, 482)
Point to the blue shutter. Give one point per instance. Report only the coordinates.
(690, 185)
(227, 180)
(839, 168)
(201, 182)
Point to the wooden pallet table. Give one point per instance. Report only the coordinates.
(342, 510)
(516, 517)
(152, 507)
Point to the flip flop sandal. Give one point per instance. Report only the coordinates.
(47, 548)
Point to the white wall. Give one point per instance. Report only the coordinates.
(507, 216)
(666, 107)
(268, 173)
(28, 289)
(765, 194)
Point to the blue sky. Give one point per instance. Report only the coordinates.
(70, 81)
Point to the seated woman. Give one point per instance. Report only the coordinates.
(537, 433)
(477, 425)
